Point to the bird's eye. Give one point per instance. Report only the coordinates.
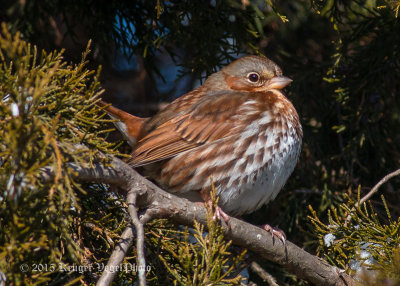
(253, 77)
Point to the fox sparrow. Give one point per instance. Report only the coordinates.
(237, 128)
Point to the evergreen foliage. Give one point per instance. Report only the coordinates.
(47, 107)
(364, 244)
(196, 257)
(203, 258)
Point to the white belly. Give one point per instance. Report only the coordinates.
(261, 183)
(268, 181)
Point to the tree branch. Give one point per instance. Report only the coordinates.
(263, 274)
(161, 204)
(372, 192)
(117, 257)
(141, 261)
(377, 186)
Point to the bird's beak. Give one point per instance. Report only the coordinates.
(278, 82)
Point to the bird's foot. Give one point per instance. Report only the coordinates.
(275, 232)
(219, 214)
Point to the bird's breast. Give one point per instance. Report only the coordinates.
(266, 164)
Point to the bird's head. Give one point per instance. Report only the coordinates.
(250, 73)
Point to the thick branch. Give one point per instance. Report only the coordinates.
(165, 205)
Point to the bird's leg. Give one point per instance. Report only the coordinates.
(275, 232)
(219, 214)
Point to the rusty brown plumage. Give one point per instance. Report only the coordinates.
(237, 128)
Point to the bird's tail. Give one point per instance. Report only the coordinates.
(129, 125)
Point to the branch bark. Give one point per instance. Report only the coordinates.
(117, 257)
(161, 204)
(141, 261)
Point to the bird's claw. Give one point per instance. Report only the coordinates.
(275, 232)
(219, 214)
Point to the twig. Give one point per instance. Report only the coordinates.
(117, 257)
(93, 227)
(371, 193)
(377, 186)
(161, 204)
(140, 257)
(254, 266)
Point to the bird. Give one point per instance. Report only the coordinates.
(237, 131)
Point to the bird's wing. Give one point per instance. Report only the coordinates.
(215, 116)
